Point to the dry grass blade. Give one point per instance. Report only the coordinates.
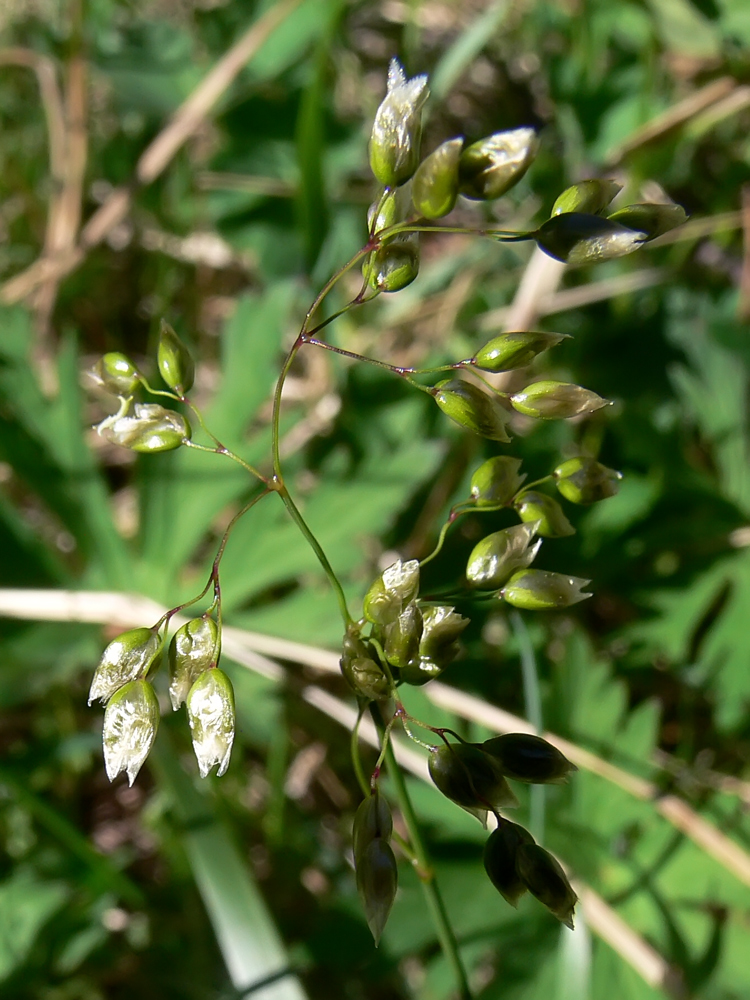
(734, 103)
(620, 936)
(346, 714)
(252, 650)
(52, 104)
(678, 114)
(704, 834)
(191, 113)
(248, 649)
(551, 302)
(67, 141)
(540, 281)
(600, 917)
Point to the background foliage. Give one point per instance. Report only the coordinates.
(159, 889)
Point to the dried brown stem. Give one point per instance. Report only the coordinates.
(128, 611)
(66, 198)
(673, 117)
(51, 98)
(540, 280)
(677, 812)
(652, 967)
(553, 301)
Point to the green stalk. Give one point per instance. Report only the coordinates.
(435, 903)
(275, 435)
(530, 486)
(504, 235)
(438, 547)
(490, 386)
(396, 369)
(222, 448)
(278, 479)
(359, 770)
(214, 575)
(533, 705)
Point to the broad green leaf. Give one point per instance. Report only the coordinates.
(684, 29)
(713, 391)
(251, 353)
(26, 904)
(735, 20)
(301, 28)
(43, 438)
(312, 199)
(246, 934)
(636, 497)
(306, 615)
(612, 976)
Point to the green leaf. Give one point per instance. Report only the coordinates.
(713, 609)
(684, 29)
(305, 616)
(465, 49)
(292, 38)
(613, 516)
(26, 904)
(612, 976)
(712, 388)
(245, 932)
(43, 438)
(312, 198)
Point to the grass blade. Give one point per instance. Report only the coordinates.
(246, 934)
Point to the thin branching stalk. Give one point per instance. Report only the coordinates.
(430, 888)
(533, 703)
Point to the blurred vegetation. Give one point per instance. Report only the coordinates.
(161, 890)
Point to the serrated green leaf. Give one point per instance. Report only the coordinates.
(723, 651)
(713, 392)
